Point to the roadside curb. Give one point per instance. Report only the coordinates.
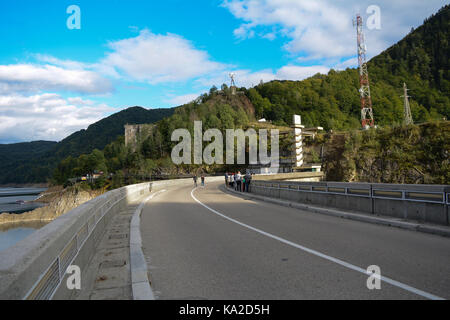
(412, 226)
(140, 283)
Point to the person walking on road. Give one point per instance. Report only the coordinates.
(203, 180)
(248, 180)
(226, 179)
(238, 181)
(195, 181)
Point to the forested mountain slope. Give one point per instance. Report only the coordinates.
(34, 162)
(421, 60)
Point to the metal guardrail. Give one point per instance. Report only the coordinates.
(375, 193)
(48, 283)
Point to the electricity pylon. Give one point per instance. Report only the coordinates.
(367, 120)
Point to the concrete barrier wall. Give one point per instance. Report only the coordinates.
(34, 267)
(85, 255)
(424, 203)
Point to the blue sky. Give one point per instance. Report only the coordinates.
(54, 81)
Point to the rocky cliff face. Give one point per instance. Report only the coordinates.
(417, 154)
(62, 202)
(137, 133)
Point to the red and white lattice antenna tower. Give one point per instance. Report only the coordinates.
(366, 100)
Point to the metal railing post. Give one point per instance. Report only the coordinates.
(446, 195)
(372, 200)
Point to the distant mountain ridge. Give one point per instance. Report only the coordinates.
(105, 131)
(35, 161)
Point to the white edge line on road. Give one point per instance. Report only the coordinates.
(322, 255)
(140, 283)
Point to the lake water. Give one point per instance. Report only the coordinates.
(10, 196)
(10, 234)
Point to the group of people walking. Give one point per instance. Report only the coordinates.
(238, 181)
(202, 179)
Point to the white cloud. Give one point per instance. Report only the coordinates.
(243, 78)
(29, 112)
(36, 78)
(96, 68)
(155, 58)
(244, 32)
(300, 72)
(183, 99)
(46, 116)
(322, 29)
(248, 78)
(270, 36)
(349, 63)
(80, 101)
(68, 64)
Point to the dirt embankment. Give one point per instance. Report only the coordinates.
(60, 201)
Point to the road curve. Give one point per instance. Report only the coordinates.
(207, 244)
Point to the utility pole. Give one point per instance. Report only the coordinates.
(407, 117)
(367, 120)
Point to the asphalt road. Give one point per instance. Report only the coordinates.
(207, 244)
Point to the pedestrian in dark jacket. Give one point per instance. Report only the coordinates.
(195, 181)
(248, 180)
